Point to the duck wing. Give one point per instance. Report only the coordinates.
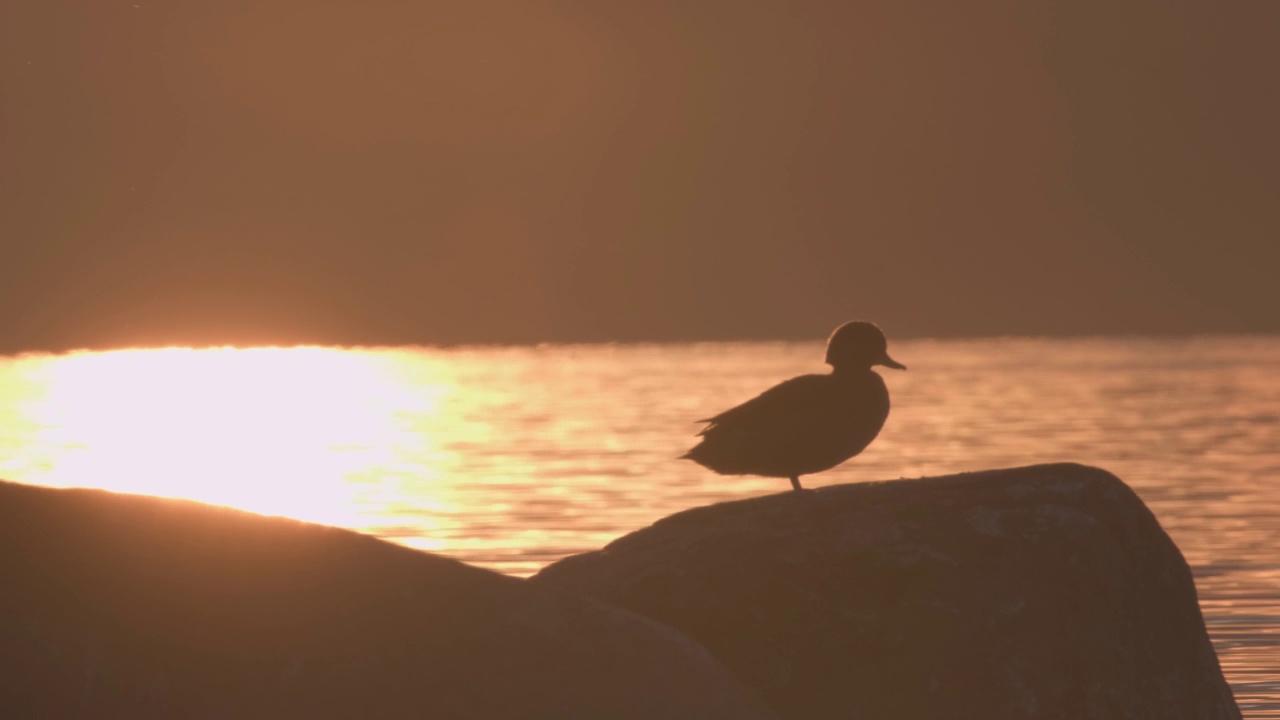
(778, 407)
(802, 426)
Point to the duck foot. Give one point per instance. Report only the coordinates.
(795, 483)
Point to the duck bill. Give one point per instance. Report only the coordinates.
(890, 362)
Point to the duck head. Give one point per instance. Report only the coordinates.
(859, 345)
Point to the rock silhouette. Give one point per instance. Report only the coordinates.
(1039, 592)
(117, 606)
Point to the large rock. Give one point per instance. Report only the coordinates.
(116, 606)
(1039, 592)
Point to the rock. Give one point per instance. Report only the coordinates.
(1038, 592)
(115, 606)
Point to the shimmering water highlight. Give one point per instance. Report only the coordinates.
(514, 457)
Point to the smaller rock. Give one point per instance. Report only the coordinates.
(116, 606)
(1038, 592)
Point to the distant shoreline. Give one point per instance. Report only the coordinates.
(68, 349)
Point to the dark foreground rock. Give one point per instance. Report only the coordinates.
(115, 606)
(1039, 592)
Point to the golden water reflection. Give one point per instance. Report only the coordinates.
(313, 433)
(514, 457)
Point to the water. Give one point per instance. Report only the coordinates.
(514, 457)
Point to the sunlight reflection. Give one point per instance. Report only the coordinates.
(279, 431)
(513, 457)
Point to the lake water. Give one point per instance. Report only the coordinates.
(514, 457)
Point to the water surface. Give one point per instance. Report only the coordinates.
(514, 457)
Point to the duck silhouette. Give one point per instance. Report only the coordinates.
(809, 423)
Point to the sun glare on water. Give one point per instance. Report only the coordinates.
(281, 431)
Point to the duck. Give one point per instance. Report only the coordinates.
(809, 423)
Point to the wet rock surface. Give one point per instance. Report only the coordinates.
(1038, 592)
(117, 606)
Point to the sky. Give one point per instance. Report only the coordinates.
(511, 171)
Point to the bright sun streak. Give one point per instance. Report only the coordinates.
(282, 431)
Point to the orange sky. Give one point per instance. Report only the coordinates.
(512, 171)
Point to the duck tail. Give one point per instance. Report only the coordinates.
(693, 453)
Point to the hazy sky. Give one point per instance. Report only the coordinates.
(275, 171)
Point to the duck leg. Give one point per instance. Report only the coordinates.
(795, 482)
